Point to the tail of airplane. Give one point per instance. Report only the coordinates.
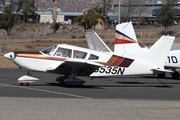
(151, 60)
(158, 53)
(126, 45)
(125, 39)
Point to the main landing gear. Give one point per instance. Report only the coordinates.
(71, 80)
(27, 79)
(174, 75)
(65, 80)
(161, 75)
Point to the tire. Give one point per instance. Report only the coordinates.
(161, 75)
(175, 75)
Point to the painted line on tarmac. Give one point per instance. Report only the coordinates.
(59, 93)
(4, 85)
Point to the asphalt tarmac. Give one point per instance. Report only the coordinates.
(123, 98)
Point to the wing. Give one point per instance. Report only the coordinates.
(79, 66)
(96, 43)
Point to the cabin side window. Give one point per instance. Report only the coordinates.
(93, 57)
(63, 52)
(79, 54)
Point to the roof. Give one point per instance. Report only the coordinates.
(72, 47)
(41, 12)
(148, 4)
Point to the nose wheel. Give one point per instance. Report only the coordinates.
(26, 80)
(24, 84)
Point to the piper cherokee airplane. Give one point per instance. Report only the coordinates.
(126, 44)
(73, 61)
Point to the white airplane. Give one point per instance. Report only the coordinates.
(172, 62)
(126, 44)
(73, 61)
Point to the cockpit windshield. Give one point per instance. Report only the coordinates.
(59, 51)
(49, 50)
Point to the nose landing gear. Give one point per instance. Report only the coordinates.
(26, 80)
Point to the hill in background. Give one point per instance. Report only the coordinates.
(72, 5)
(82, 5)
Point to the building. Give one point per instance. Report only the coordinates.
(147, 12)
(141, 14)
(46, 16)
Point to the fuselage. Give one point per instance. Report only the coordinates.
(54, 56)
(173, 59)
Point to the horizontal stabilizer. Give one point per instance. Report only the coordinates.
(163, 70)
(160, 71)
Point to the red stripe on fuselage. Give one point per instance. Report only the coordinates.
(117, 61)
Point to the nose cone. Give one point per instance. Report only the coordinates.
(10, 55)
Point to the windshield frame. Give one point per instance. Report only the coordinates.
(50, 52)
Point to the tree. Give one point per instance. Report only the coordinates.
(166, 14)
(140, 10)
(91, 17)
(28, 8)
(128, 10)
(106, 6)
(139, 13)
(54, 13)
(88, 19)
(7, 19)
(99, 10)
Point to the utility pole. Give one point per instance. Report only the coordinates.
(54, 13)
(43, 7)
(119, 16)
(37, 4)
